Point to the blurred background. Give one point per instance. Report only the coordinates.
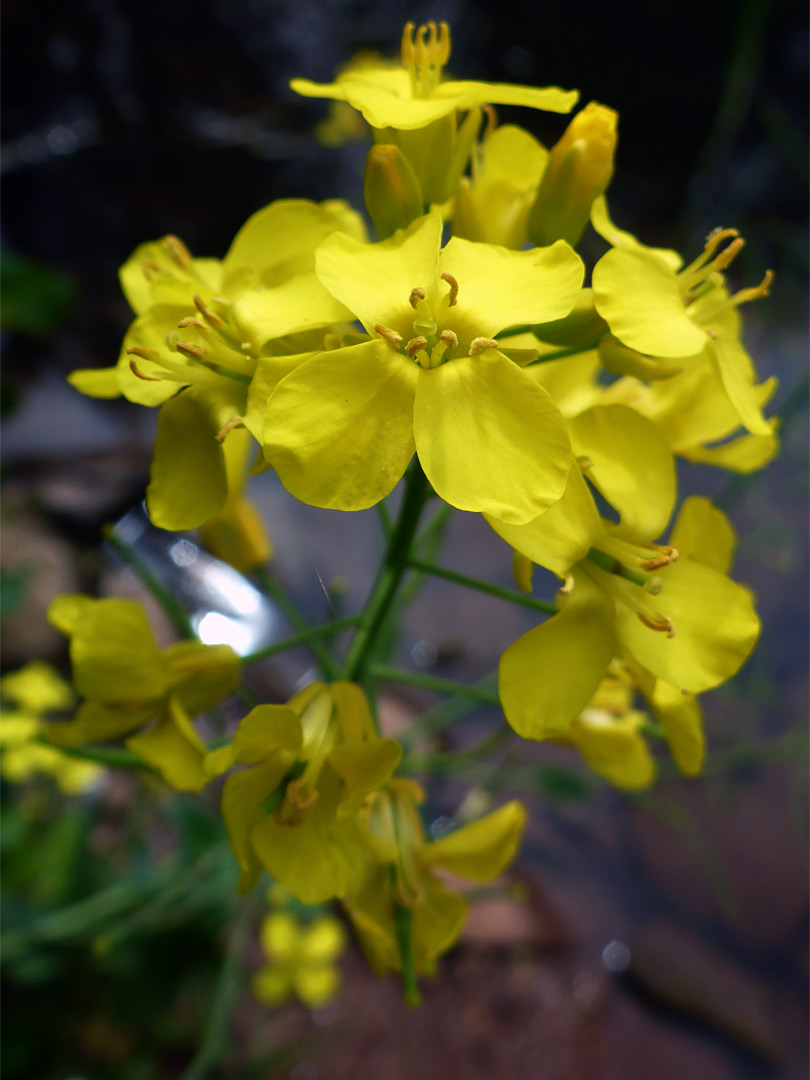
(660, 935)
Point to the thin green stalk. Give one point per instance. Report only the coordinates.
(163, 596)
(512, 595)
(432, 682)
(613, 566)
(386, 524)
(111, 756)
(306, 637)
(394, 566)
(322, 654)
(403, 926)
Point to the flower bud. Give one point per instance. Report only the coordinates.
(391, 191)
(582, 326)
(579, 169)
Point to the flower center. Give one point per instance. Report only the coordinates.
(701, 276)
(425, 51)
(430, 347)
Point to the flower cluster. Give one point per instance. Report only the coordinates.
(470, 348)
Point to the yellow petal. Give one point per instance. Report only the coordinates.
(339, 429)
(498, 288)
(703, 532)
(298, 304)
(279, 241)
(149, 331)
(242, 795)
(114, 654)
(616, 237)
(560, 536)
(745, 455)
(681, 717)
(96, 382)
(482, 850)
(281, 936)
(548, 98)
(352, 712)
(365, 766)
(270, 370)
(272, 986)
(315, 986)
(638, 296)
(98, 723)
(374, 281)
(65, 611)
(188, 483)
(548, 676)
(715, 628)
(489, 439)
(37, 687)
(613, 747)
(174, 748)
(323, 940)
(630, 464)
(733, 365)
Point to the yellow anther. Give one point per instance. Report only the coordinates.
(449, 338)
(150, 268)
(668, 555)
(492, 120)
(133, 367)
(143, 352)
(756, 292)
(293, 808)
(451, 281)
(210, 316)
(662, 623)
(480, 344)
(191, 321)
(417, 294)
(194, 352)
(584, 462)
(716, 238)
(414, 345)
(443, 49)
(567, 585)
(406, 48)
(178, 252)
(227, 428)
(391, 337)
(728, 255)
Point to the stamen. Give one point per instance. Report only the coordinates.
(492, 121)
(226, 429)
(756, 292)
(414, 345)
(480, 344)
(567, 585)
(449, 338)
(668, 555)
(150, 268)
(584, 462)
(451, 281)
(178, 252)
(661, 623)
(194, 352)
(391, 337)
(210, 316)
(443, 50)
(417, 294)
(191, 321)
(406, 47)
(133, 367)
(142, 352)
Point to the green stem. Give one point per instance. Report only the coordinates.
(386, 524)
(613, 566)
(390, 575)
(432, 682)
(403, 927)
(322, 654)
(110, 756)
(304, 638)
(166, 600)
(512, 595)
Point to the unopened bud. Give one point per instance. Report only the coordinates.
(391, 191)
(579, 169)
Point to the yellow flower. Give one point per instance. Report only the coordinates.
(130, 685)
(608, 733)
(415, 108)
(579, 169)
(493, 205)
(302, 960)
(37, 689)
(202, 326)
(341, 428)
(293, 810)
(661, 311)
(671, 611)
(402, 892)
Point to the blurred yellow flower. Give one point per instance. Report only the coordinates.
(303, 960)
